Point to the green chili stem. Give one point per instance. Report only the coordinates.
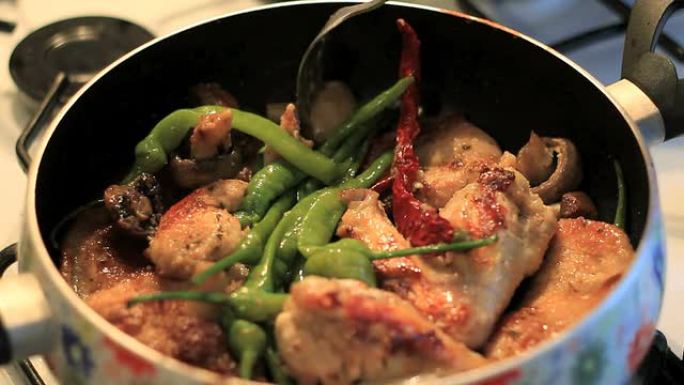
(435, 248)
(247, 360)
(276, 368)
(365, 113)
(199, 296)
(252, 305)
(621, 208)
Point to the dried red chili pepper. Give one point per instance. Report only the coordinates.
(417, 221)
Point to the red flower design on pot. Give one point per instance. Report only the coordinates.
(135, 364)
(504, 378)
(640, 345)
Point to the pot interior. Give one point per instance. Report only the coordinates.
(501, 82)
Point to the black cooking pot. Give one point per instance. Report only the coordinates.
(504, 82)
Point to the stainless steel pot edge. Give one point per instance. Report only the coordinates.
(649, 240)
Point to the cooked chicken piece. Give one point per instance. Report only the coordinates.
(585, 260)
(288, 122)
(453, 156)
(463, 293)
(198, 229)
(211, 134)
(180, 329)
(341, 331)
(95, 255)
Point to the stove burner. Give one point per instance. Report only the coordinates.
(78, 47)
(53, 62)
(623, 10)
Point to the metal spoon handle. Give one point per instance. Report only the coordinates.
(40, 119)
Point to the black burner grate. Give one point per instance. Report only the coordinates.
(666, 42)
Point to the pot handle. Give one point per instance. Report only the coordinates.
(42, 117)
(26, 321)
(654, 73)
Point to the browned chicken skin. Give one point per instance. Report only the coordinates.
(452, 156)
(463, 293)
(336, 331)
(183, 330)
(585, 260)
(198, 230)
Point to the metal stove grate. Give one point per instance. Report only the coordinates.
(666, 42)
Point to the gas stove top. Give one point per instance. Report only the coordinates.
(590, 32)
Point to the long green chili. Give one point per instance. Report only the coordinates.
(153, 151)
(255, 306)
(367, 112)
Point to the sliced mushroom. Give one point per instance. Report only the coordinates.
(577, 204)
(535, 160)
(136, 207)
(193, 173)
(568, 172)
(332, 105)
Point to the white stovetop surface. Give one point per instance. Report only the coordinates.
(164, 16)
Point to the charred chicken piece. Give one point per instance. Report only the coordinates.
(586, 259)
(338, 331)
(198, 230)
(135, 207)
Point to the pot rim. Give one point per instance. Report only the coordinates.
(650, 239)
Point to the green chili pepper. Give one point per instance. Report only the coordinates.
(272, 180)
(348, 151)
(265, 186)
(276, 368)
(349, 258)
(367, 112)
(152, 152)
(621, 209)
(251, 246)
(248, 342)
(255, 306)
(320, 221)
(341, 263)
